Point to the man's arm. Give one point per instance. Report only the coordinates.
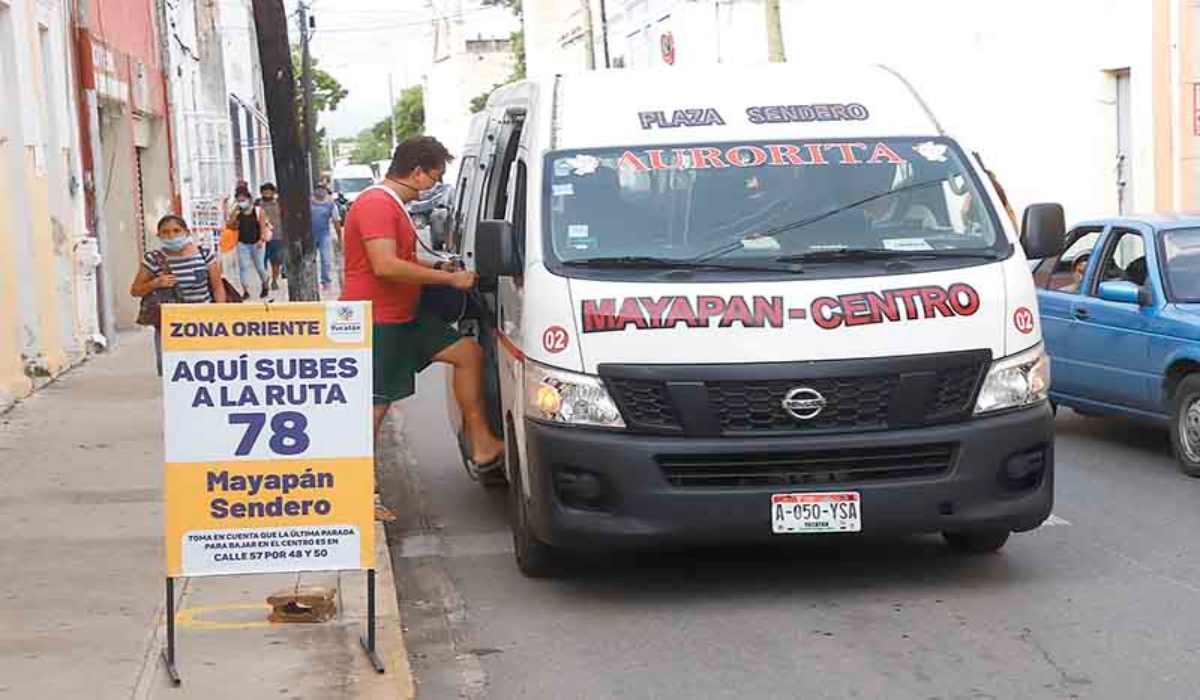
(385, 264)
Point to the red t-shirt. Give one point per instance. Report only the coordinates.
(377, 214)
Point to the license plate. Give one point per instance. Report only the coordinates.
(800, 513)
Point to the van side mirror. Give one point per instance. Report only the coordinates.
(1043, 230)
(439, 224)
(496, 250)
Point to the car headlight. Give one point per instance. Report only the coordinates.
(1018, 380)
(568, 397)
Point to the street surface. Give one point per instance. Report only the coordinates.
(1101, 602)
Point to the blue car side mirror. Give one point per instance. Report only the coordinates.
(1124, 293)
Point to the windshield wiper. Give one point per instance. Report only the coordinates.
(643, 262)
(736, 243)
(853, 254)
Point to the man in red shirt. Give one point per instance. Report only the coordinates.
(382, 267)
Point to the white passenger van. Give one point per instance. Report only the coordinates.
(750, 304)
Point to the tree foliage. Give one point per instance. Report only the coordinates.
(375, 143)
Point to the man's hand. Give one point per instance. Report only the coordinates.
(165, 281)
(463, 280)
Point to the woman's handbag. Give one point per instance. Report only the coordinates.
(232, 295)
(150, 309)
(229, 239)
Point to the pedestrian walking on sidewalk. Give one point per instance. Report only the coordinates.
(252, 227)
(192, 271)
(269, 202)
(324, 222)
(382, 267)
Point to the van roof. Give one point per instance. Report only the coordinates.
(734, 103)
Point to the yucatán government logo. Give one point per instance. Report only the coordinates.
(344, 323)
(803, 403)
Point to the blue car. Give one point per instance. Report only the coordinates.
(1120, 310)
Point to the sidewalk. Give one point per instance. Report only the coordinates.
(81, 602)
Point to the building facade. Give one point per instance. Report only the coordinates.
(253, 161)
(472, 54)
(1092, 104)
(48, 308)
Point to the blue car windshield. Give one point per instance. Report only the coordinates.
(1181, 249)
(763, 200)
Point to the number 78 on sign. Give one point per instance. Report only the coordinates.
(268, 438)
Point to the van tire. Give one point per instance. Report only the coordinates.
(535, 558)
(977, 541)
(1185, 443)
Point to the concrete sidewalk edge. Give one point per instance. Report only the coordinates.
(152, 679)
(391, 628)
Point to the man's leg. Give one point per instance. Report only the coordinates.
(466, 357)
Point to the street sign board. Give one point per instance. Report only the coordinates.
(268, 436)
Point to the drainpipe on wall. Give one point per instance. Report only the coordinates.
(91, 155)
(590, 47)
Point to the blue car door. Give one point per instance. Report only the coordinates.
(1109, 345)
(1059, 286)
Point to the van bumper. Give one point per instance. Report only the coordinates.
(640, 506)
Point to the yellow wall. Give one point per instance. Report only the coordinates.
(42, 243)
(32, 195)
(13, 382)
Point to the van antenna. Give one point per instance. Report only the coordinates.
(913, 91)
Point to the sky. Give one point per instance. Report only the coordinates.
(361, 42)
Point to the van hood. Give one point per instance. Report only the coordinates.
(787, 321)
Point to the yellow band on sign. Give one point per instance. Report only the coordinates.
(303, 326)
(268, 437)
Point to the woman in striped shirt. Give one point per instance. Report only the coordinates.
(194, 272)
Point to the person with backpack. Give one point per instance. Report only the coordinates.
(180, 272)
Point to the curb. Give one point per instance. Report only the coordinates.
(391, 632)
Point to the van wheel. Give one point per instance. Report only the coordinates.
(977, 542)
(535, 558)
(1185, 425)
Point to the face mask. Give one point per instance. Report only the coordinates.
(175, 244)
(243, 205)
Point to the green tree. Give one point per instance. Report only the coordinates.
(375, 143)
(328, 93)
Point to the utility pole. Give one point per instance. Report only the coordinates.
(392, 110)
(775, 52)
(310, 126)
(291, 168)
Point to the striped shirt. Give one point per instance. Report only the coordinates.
(191, 273)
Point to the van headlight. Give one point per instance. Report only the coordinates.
(1018, 380)
(567, 397)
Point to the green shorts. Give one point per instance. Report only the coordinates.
(401, 350)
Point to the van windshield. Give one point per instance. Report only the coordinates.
(768, 200)
(351, 185)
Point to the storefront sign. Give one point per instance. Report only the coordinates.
(269, 449)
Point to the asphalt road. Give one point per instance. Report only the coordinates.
(1102, 602)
